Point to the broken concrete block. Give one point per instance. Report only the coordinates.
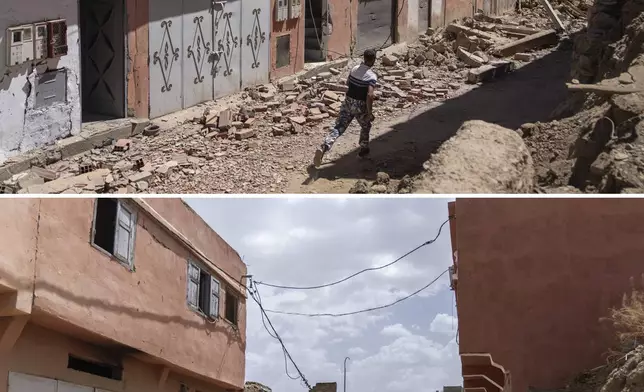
(468, 58)
(225, 120)
(456, 29)
(334, 71)
(318, 117)
(534, 41)
(277, 131)
(261, 108)
(331, 86)
(48, 175)
(296, 128)
(523, 57)
(298, 120)
(324, 75)
(122, 145)
(314, 111)
(28, 179)
(266, 96)
(331, 95)
(277, 117)
(288, 85)
(245, 134)
(490, 71)
(248, 123)
(142, 176)
(389, 60)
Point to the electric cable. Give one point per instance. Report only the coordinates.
(259, 297)
(359, 311)
(362, 271)
(263, 311)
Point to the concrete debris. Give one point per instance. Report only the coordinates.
(531, 42)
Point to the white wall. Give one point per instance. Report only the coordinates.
(23, 127)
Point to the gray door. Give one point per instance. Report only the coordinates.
(226, 69)
(197, 51)
(103, 58)
(166, 48)
(375, 25)
(255, 42)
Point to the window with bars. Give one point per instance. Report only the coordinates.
(114, 229)
(203, 291)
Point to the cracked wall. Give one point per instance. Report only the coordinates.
(23, 126)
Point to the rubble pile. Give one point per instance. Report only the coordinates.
(600, 147)
(252, 386)
(383, 184)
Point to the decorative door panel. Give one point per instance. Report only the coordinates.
(197, 52)
(103, 62)
(226, 69)
(255, 42)
(166, 48)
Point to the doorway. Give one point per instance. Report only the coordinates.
(316, 30)
(103, 75)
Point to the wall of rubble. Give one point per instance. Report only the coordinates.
(612, 42)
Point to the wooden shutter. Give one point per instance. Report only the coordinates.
(193, 284)
(214, 297)
(124, 234)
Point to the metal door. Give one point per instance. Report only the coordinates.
(226, 67)
(255, 42)
(197, 51)
(166, 46)
(103, 59)
(375, 24)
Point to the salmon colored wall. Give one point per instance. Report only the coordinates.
(145, 309)
(344, 15)
(138, 75)
(53, 348)
(188, 222)
(536, 276)
(295, 28)
(17, 258)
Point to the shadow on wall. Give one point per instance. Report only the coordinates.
(530, 94)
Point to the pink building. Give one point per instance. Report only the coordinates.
(117, 295)
(533, 278)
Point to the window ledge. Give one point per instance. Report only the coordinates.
(129, 267)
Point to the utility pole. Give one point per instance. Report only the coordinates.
(345, 373)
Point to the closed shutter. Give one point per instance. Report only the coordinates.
(124, 234)
(214, 297)
(193, 284)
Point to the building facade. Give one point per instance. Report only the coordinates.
(533, 279)
(118, 295)
(67, 63)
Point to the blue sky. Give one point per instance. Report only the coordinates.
(310, 241)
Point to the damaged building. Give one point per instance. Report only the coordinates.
(118, 295)
(535, 280)
(80, 67)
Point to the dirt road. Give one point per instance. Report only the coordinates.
(400, 146)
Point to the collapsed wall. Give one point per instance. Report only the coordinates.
(599, 148)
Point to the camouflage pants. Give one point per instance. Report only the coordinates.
(351, 108)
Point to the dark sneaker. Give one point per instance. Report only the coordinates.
(364, 152)
(317, 159)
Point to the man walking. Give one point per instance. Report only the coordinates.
(357, 104)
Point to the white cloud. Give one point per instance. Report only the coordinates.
(444, 324)
(395, 330)
(315, 241)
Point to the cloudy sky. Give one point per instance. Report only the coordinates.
(311, 241)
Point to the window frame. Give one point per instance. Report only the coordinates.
(212, 279)
(120, 204)
(231, 292)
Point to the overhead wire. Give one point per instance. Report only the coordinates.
(279, 339)
(426, 243)
(259, 298)
(363, 310)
